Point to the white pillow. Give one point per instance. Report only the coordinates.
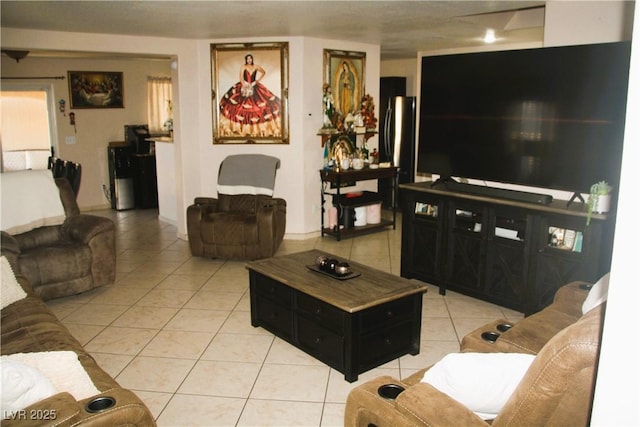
(597, 294)
(11, 289)
(61, 368)
(483, 382)
(22, 385)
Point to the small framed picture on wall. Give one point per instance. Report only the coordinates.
(96, 89)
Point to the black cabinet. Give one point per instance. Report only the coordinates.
(511, 253)
(145, 181)
(422, 248)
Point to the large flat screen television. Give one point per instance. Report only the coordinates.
(551, 118)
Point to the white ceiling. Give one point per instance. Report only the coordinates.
(401, 28)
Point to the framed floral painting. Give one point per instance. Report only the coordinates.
(249, 84)
(344, 75)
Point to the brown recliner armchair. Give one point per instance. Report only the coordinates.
(555, 390)
(245, 221)
(67, 258)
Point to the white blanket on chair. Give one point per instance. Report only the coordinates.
(30, 199)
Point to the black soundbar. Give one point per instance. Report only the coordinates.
(502, 193)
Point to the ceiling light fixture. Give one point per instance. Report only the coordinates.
(490, 36)
(16, 54)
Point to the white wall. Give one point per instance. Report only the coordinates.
(402, 68)
(617, 391)
(196, 158)
(618, 383)
(585, 22)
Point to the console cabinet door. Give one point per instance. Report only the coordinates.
(422, 229)
(567, 250)
(508, 252)
(466, 246)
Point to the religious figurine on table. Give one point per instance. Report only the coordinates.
(328, 110)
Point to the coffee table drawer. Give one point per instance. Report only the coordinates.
(269, 288)
(322, 313)
(383, 345)
(387, 314)
(321, 343)
(275, 317)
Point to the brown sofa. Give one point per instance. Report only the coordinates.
(66, 259)
(28, 326)
(557, 388)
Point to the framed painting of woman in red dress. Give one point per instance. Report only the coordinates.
(249, 84)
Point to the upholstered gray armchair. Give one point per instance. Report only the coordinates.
(245, 221)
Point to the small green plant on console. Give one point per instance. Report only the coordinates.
(599, 199)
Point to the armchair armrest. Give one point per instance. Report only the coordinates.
(99, 234)
(10, 248)
(271, 223)
(205, 201)
(40, 236)
(63, 410)
(420, 404)
(201, 207)
(83, 228)
(429, 406)
(569, 298)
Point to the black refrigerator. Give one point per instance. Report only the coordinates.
(398, 143)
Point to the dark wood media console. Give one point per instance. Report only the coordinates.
(508, 252)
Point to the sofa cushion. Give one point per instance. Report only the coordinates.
(483, 382)
(30, 199)
(11, 289)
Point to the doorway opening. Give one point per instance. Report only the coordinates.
(27, 126)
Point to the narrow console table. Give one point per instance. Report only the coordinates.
(340, 179)
(351, 325)
(509, 252)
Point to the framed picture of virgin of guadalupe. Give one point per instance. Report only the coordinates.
(249, 88)
(344, 75)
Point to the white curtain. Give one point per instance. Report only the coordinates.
(159, 111)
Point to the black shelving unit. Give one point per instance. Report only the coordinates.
(338, 179)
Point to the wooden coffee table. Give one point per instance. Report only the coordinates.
(351, 325)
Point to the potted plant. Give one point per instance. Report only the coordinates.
(599, 200)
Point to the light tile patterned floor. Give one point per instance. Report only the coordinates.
(176, 330)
